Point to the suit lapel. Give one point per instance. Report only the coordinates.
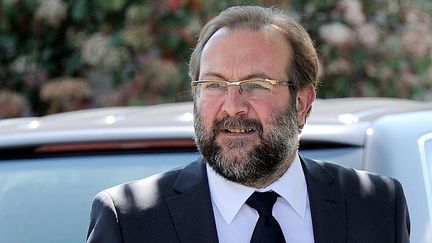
(191, 210)
(327, 203)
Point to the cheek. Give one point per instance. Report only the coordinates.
(267, 111)
(267, 119)
(208, 110)
(264, 111)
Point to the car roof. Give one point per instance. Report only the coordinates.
(341, 121)
(345, 121)
(346, 110)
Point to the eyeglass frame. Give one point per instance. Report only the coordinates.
(273, 82)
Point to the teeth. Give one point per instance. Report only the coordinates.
(239, 130)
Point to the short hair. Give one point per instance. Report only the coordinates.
(302, 70)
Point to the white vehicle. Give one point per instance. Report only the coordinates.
(51, 167)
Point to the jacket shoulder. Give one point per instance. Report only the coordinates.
(356, 182)
(144, 193)
(153, 190)
(371, 201)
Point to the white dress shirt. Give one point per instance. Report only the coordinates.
(235, 220)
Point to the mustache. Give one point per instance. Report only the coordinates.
(241, 122)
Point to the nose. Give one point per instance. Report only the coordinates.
(234, 103)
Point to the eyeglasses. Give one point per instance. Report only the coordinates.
(251, 88)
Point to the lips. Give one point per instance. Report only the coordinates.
(237, 126)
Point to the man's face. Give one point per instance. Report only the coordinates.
(246, 139)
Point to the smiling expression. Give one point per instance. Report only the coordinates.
(241, 55)
(246, 140)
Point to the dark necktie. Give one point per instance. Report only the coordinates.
(267, 228)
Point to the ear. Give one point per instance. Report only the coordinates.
(305, 98)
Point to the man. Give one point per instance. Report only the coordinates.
(254, 75)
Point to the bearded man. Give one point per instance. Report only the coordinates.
(254, 72)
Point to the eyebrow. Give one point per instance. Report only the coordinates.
(256, 75)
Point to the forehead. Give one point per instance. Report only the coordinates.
(241, 52)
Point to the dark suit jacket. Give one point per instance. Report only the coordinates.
(346, 206)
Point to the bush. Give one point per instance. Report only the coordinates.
(124, 52)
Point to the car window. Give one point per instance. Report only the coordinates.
(48, 199)
(39, 196)
(346, 156)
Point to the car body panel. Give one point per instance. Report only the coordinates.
(338, 120)
(101, 147)
(393, 149)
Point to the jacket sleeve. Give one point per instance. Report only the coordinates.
(104, 226)
(402, 216)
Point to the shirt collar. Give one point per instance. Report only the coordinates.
(229, 196)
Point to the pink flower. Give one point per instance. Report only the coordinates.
(352, 11)
(336, 34)
(367, 35)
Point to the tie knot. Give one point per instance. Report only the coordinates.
(262, 202)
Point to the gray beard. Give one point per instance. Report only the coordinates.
(259, 165)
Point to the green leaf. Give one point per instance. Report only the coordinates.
(73, 63)
(79, 10)
(111, 5)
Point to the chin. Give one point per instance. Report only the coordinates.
(236, 157)
(233, 145)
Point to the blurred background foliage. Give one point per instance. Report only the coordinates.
(61, 55)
